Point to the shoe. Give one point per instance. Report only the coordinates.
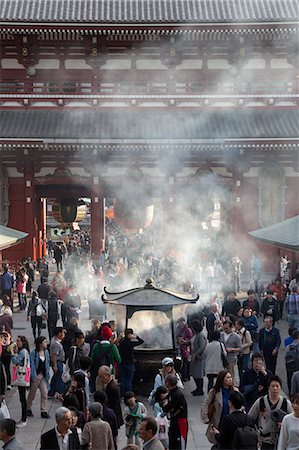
(45, 415)
(193, 392)
(29, 413)
(197, 393)
(21, 424)
(9, 388)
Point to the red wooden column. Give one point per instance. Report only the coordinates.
(41, 226)
(97, 227)
(30, 220)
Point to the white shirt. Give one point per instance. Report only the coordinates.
(63, 441)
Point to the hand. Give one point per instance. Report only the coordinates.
(2, 397)
(55, 369)
(274, 352)
(214, 430)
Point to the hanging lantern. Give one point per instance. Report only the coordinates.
(132, 214)
(69, 210)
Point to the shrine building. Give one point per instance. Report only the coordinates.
(180, 100)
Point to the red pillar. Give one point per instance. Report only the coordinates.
(97, 227)
(30, 223)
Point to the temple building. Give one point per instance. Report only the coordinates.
(192, 102)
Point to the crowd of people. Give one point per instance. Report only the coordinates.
(90, 374)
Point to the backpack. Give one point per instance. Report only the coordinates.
(292, 358)
(284, 405)
(105, 357)
(245, 437)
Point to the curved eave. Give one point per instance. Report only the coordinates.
(277, 244)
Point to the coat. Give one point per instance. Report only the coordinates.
(49, 440)
(113, 395)
(34, 360)
(213, 361)
(198, 345)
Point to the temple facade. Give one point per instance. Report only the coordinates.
(180, 100)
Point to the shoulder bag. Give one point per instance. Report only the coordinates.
(21, 374)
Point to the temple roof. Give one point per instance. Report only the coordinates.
(10, 237)
(147, 11)
(149, 124)
(283, 234)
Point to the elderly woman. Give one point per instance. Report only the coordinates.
(198, 345)
(97, 433)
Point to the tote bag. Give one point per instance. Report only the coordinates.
(21, 374)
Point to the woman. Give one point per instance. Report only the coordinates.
(22, 280)
(215, 406)
(77, 388)
(198, 345)
(97, 434)
(244, 358)
(40, 375)
(7, 347)
(213, 361)
(262, 411)
(21, 358)
(167, 369)
(289, 432)
(34, 311)
(251, 324)
(127, 366)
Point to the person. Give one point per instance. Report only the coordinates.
(279, 291)
(127, 366)
(21, 288)
(213, 319)
(7, 284)
(255, 381)
(295, 383)
(34, 312)
(198, 345)
(43, 268)
(210, 276)
(230, 305)
(262, 412)
(58, 257)
(213, 359)
(112, 391)
(53, 313)
(103, 354)
(77, 421)
(147, 432)
(246, 340)
(77, 388)
(292, 357)
(167, 369)
(251, 324)
(97, 433)
(8, 435)
(21, 358)
(6, 322)
(289, 431)
(62, 436)
(5, 360)
(161, 419)
(237, 418)
(292, 306)
(183, 336)
(57, 359)
(39, 376)
(233, 345)
(134, 412)
(251, 302)
(289, 339)
(269, 343)
(215, 406)
(91, 336)
(108, 413)
(84, 368)
(270, 306)
(175, 406)
(76, 351)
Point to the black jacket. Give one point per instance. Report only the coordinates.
(177, 405)
(49, 440)
(228, 426)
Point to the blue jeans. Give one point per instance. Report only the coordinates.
(126, 372)
(22, 301)
(57, 385)
(245, 362)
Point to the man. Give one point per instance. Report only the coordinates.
(292, 305)
(231, 305)
(147, 432)
(280, 292)
(97, 433)
(8, 435)
(112, 391)
(270, 306)
(62, 436)
(43, 269)
(225, 436)
(233, 345)
(251, 302)
(58, 257)
(183, 336)
(57, 359)
(7, 283)
(269, 342)
(91, 336)
(254, 381)
(295, 383)
(43, 289)
(292, 357)
(175, 406)
(213, 318)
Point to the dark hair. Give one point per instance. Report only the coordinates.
(295, 398)
(129, 395)
(237, 399)
(215, 336)
(74, 409)
(38, 341)
(228, 322)
(239, 308)
(128, 331)
(250, 291)
(24, 341)
(171, 380)
(85, 362)
(44, 279)
(160, 390)
(150, 424)
(291, 330)
(196, 326)
(275, 378)
(8, 425)
(256, 355)
(58, 330)
(71, 400)
(78, 334)
(219, 380)
(80, 378)
(270, 292)
(34, 294)
(295, 334)
(101, 397)
(240, 322)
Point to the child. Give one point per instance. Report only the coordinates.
(134, 412)
(161, 419)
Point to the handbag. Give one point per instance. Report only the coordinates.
(223, 357)
(4, 412)
(21, 374)
(211, 409)
(66, 375)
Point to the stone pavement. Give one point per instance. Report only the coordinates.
(30, 435)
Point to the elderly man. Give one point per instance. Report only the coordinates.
(213, 319)
(8, 435)
(97, 432)
(147, 432)
(233, 346)
(62, 436)
(112, 391)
